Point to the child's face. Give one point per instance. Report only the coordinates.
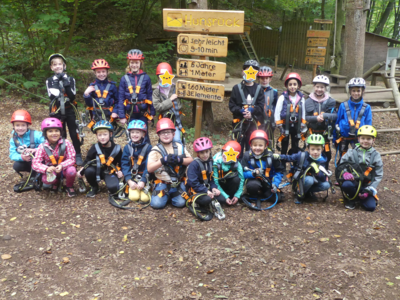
(265, 80)
(134, 65)
(319, 89)
(315, 151)
(366, 141)
(204, 155)
(101, 74)
(258, 146)
(136, 135)
(292, 86)
(103, 136)
(166, 136)
(53, 135)
(20, 128)
(356, 93)
(57, 65)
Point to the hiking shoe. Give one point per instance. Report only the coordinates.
(93, 191)
(350, 205)
(312, 196)
(70, 191)
(298, 200)
(79, 160)
(336, 184)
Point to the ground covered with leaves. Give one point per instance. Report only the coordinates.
(83, 248)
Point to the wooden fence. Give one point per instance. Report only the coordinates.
(290, 44)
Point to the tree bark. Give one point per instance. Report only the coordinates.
(58, 43)
(354, 38)
(370, 14)
(396, 23)
(71, 30)
(384, 17)
(338, 41)
(323, 9)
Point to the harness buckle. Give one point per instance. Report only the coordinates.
(21, 149)
(175, 182)
(293, 119)
(137, 178)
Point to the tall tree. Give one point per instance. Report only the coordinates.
(340, 16)
(396, 26)
(384, 17)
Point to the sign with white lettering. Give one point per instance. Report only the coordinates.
(201, 69)
(203, 21)
(202, 45)
(200, 91)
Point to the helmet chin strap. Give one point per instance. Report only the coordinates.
(355, 100)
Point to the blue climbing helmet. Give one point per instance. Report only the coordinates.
(138, 125)
(103, 125)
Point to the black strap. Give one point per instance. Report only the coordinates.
(61, 151)
(268, 98)
(101, 99)
(205, 167)
(136, 165)
(133, 94)
(244, 100)
(114, 153)
(349, 117)
(287, 121)
(299, 119)
(62, 99)
(299, 167)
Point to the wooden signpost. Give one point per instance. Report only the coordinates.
(316, 51)
(323, 21)
(200, 91)
(316, 56)
(318, 33)
(196, 44)
(200, 69)
(315, 60)
(315, 42)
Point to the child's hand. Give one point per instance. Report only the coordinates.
(228, 201)
(79, 173)
(30, 150)
(216, 192)
(276, 156)
(140, 185)
(234, 200)
(26, 157)
(247, 114)
(210, 194)
(114, 116)
(89, 89)
(132, 184)
(173, 97)
(274, 189)
(122, 121)
(119, 174)
(58, 169)
(51, 169)
(320, 118)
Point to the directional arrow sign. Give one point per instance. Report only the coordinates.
(201, 69)
(316, 51)
(200, 91)
(315, 42)
(202, 45)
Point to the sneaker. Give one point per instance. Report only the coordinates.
(79, 160)
(312, 196)
(298, 200)
(350, 204)
(70, 191)
(93, 191)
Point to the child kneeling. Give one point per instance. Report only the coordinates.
(367, 161)
(263, 174)
(168, 161)
(55, 158)
(134, 162)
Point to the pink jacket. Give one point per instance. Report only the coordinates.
(41, 156)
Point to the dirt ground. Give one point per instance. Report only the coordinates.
(81, 248)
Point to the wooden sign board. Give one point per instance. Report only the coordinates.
(318, 33)
(202, 45)
(316, 51)
(203, 21)
(323, 21)
(315, 60)
(315, 42)
(200, 91)
(200, 69)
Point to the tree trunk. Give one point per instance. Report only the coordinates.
(384, 17)
(338, 41)
(323, 9)
(354, 38)
(370, 14)
(396, 23)
(72, 28)
(58, 43)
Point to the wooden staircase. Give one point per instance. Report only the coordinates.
(248, 45)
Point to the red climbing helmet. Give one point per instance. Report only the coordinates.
(100, 64)
(259, 134)
(163, 67)
(293, 76)
(231, 156)
(135, 54)
(202, 144)
(21, 115)
(232, 144)
(265, 72)
(165, 124)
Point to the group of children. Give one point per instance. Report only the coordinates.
(246, 168)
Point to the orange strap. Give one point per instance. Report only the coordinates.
(327, 148)
(267, 172)
(316, 114)
(281, 138)
(60, 159)
(367, 171)
(102, 159)
(236, 120)
(53, 160)
(109, 161)
(204, 173)
(280, 122)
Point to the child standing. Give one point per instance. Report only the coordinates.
(134, 161)
(62, 91)
(369, 169)
(290, 114)
(321, 113)
(228, 172)
(24, 143)
(247, 105)
(166, 102)
(55, 158)
(135, 92)
(97, 165)
(168, 161)
(351, 115)
(101, 95)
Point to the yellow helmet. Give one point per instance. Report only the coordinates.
(367, 130)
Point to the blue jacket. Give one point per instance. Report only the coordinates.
(343, 121)
(307, 162)
(146, 93)
(275, 174)
(26, 140)
(195, 178)
(112, 97)
(126, 160)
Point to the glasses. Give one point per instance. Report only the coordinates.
(166, 132)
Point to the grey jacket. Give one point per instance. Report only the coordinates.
(364, 159)
(161, 103)
(328, 108)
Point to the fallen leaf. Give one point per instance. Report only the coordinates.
(12, 219)
(64, 294)
(308, 218)
(124, 228)
(180, 258)
(65, 260)
(160, 266)
(398, 277)
(378, 251)
(210, 271)
(148, 268)
(125, 238)
(193, 293)
(137, 278)
(337, 236)
(78, 226)
(170, 252)
(303, 265)
(390, 283)
(311, 231)
(324, 239)
(121, 252)
(6, 256)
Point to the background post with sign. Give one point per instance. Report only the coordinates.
(316, 48)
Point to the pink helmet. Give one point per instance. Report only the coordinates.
(202, 144)
(51, 123)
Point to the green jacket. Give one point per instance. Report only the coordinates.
(217, 159)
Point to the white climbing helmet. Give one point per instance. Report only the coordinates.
(321, 79)
(357, 82)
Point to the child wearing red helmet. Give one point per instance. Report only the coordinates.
(228, 172)
(101, 95)
(55, 158)
(165, 100)
(263, 174)
(168, 161)
(290, 115)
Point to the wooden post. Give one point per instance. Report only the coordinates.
(393, 85)
(276, 63)
(376, 67)
(284, 71)
(314, 71)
